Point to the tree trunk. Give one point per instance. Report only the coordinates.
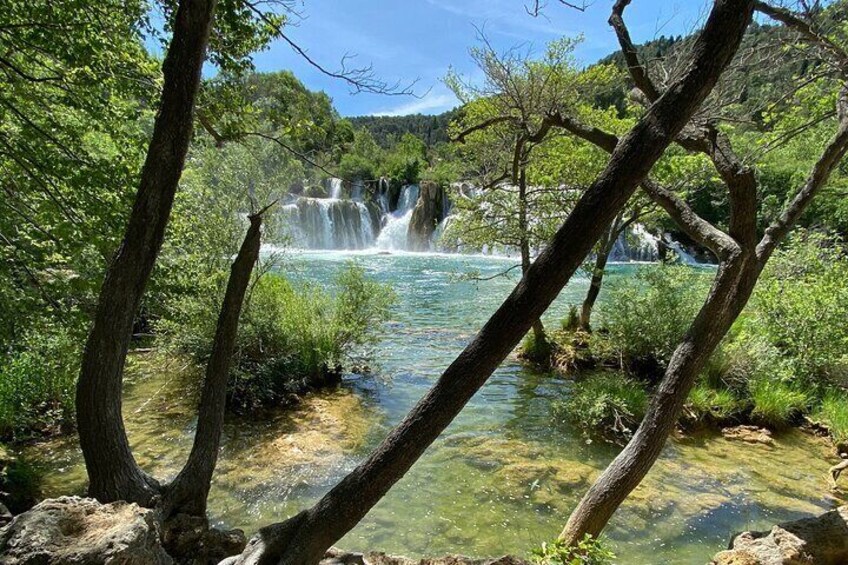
(112, 471)
(730, 292)
(304, 538)
(604, 249)
(188, 492)
(524, 238)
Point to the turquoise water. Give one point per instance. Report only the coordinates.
(501, 479)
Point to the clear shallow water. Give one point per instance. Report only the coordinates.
(502, 478)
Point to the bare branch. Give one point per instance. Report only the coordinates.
(360, 79)
(631, 57)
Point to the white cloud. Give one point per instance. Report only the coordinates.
(429, 103)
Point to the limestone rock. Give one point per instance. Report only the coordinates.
(81, 531)
(5, 515)
(428, 212)
(748, 434)
(822, 540)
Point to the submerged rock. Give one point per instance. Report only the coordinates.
(821, 540)
(78, 530)
(338, 557)
(748, 434)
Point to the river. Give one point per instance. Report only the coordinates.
(501, 479)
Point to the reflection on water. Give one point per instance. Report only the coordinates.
(500, 479)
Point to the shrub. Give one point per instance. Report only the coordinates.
(800, 307)
(833, 413)
(588, 551)
(38, 381)
(604, 401)
(290, 336)
(775, 402)
(534, 349)
(646, 315)
(716, 404)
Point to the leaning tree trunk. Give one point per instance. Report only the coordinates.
(303, 539)
(524, 238)
(188, 493)
(730, 292)
(112, 471)
(604, 249)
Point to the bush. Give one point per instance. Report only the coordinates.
(604, 401)
(38, 382)
(290, 337)
(800, 307)
(833, 413)
(645, 316)
(588, 551)
(775, 402)
(534, 349)
(715, 404)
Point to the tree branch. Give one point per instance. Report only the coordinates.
(829, 159)
(637, 71)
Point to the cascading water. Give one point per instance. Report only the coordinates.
(326, 223)
(393, 236)
(638, 244)
(335, 188)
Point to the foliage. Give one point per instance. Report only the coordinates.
(406, 160)
(386, 130)
(38, 382)
(833, 413)
(290, 336)
(800, 307)
(588, 551)
(646, 315)
(714, 404)
(536, 349)
(604, 401)
(776, 403)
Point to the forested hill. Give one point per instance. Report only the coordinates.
(388, 129)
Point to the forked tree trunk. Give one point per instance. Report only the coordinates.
(729, 294)
(112, 471)
(303, 539)
(188, 493)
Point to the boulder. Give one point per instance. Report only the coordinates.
(81, 531)
(428, 212)
(748, 434)
(822, 540)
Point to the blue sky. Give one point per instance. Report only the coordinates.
(406, 40)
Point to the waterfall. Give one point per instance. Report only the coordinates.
(393, 236)
(638, 244)
(326, 223)
(335, 188)
(408, 198)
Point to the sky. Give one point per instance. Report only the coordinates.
(419, 40)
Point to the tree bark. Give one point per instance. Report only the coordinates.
(304, 538)
(605, 246)
(188, 492)
(731, 289)
(112, 470)
(524, 238)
